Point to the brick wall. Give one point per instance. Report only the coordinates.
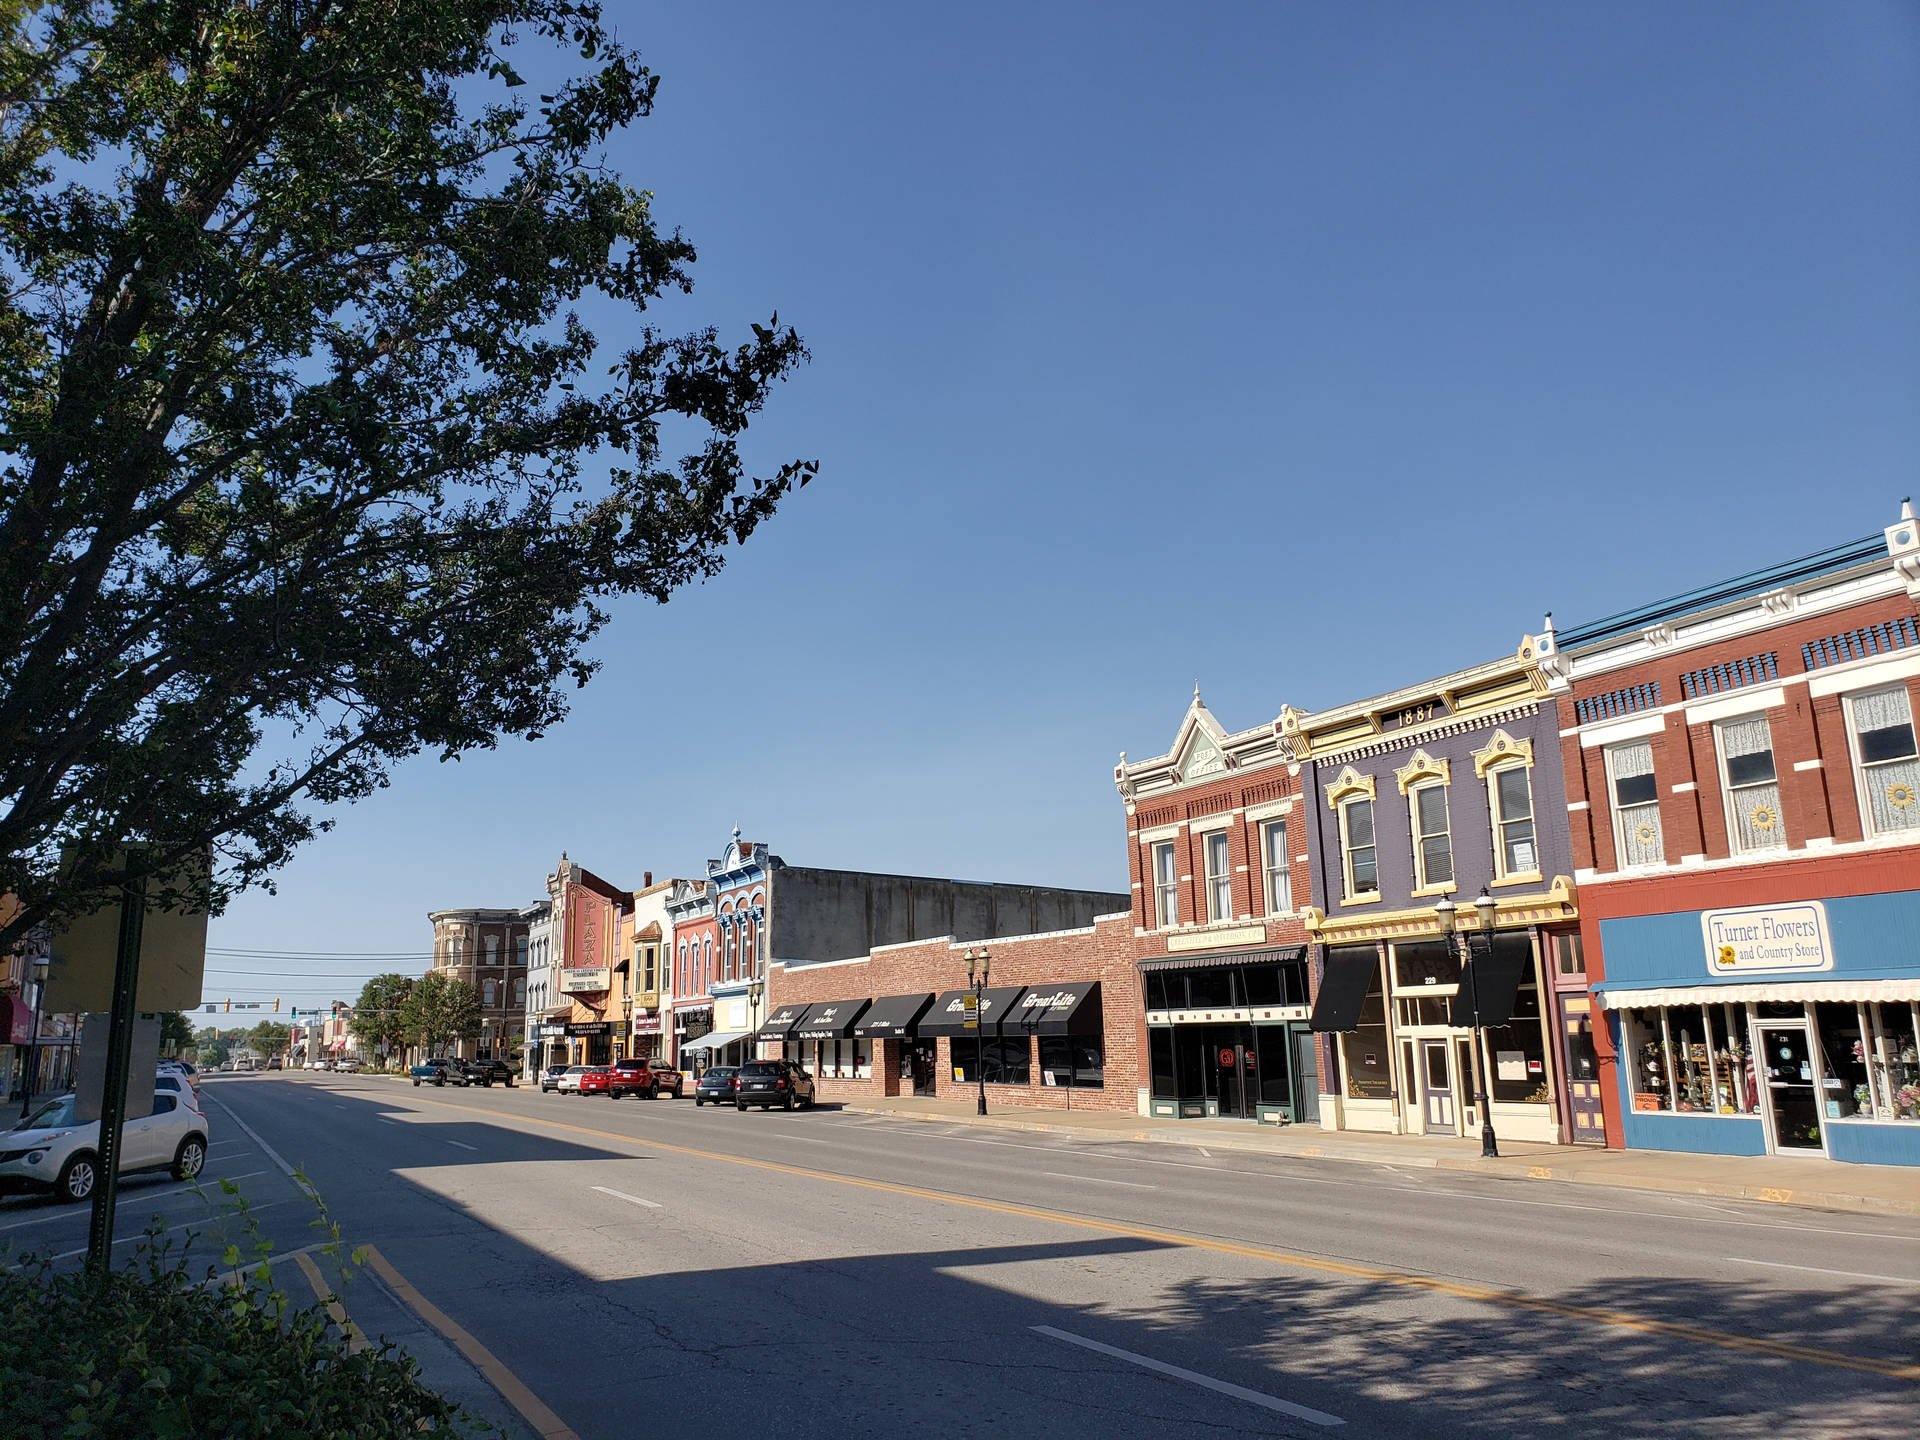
(1105, 952)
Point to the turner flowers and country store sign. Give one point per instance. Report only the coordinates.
(1767, 939)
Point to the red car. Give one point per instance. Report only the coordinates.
(596, 1080)
(645, 1077)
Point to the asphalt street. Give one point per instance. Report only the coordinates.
(613, 1268)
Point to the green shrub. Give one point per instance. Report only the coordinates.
(153, 1354)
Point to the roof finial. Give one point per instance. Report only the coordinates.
(736, 831)
(1196, 690)
(1906, 507)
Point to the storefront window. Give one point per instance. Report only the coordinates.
(1261, 985)
(1160, 1064)
(1890, 1042)
(1844, 1048)
(1210, 989)
(1425, 964)
(1066, 1062)
(1519, 1049)
(1272, 1059)
(1167, 990)
(1653, 1087)
(1364, 1055)
(1004, 1062)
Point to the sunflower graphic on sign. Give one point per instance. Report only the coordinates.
(1727, 957)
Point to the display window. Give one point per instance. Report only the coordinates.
(1365, 1057)
(1871, 1054)
(1691, 1059)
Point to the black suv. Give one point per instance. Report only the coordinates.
(768, 1083)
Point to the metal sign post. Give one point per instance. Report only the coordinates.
(113, 1102)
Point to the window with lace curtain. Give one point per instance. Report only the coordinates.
(1753, 786)
(1887, 765)
(1636, 804)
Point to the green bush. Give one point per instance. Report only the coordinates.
(152, 1354)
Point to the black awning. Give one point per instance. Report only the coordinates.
(947, 1018)
(1068, 1009)
(1280, 956)
(1493, 973)
(781, 1021)
(829, 1020)
(893, 1017)
(1343, 989)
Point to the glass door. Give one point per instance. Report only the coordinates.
(1793, 1094)
(1436, 1077)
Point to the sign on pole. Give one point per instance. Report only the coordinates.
(970, 1012)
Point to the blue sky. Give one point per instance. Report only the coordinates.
(1305, 350)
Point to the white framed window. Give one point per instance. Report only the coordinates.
(1273, 844)
(1752, 785)
(1432, 835)
(1219, 877)
(520, 992)
(1886, 763)
(1166, 885)
(1636, 805)
(487, 997)
(1515, 852)
(1360, 858)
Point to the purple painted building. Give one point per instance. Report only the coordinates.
(1421, 799)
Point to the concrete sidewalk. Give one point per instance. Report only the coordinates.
(1785, 1180)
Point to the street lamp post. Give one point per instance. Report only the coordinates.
(978, 981)
(1448, 914)
(30, 1071)
(756, 987)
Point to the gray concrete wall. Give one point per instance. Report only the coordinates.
(817, 915)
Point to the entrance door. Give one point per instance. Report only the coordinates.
(921, 1055)
(1306, 1079)
(1232, 1076)
(1583, 1071)
(1436, 1077)
(1793, 1098)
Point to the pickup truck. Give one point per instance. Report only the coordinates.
(441, 1070)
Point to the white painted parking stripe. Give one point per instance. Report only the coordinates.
(461, 1144)
(631, 1199)
(1193, 1377)
(1822, 1270)
(1096, 1180)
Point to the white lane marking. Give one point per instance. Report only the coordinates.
(216, 1179)
(464, 1146)
(1822, 1270)
(1096, 1180)
(1204, 1151)
(631, 1199)
(1193, 1377)
(384, 1121)
(271, 1153)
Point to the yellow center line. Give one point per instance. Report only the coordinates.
(1896, 1369)
(356, 1342)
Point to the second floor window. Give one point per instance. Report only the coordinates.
(1753, 787)
(1514, 852)
(1166, 886)
(1432, 838)
(1636, 804)
(1219, 878)
(520, 993)
(1279, 873)
(1889, 765)
(1362, 859)
(487, 996)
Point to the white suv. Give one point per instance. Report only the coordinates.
(48, 1151)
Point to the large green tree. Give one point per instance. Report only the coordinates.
(176, 1033)
(439, 1010)
(377, 1013)
(311, 454)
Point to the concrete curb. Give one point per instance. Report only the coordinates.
(1504, 1169)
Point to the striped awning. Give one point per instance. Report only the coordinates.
(1791, 991)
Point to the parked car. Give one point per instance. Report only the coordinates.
(767, 1083)
(273, 1062)
(569, 1081)
(717, 1084)
(646, 1078)
(486, 1072)
(347, 1063)
(441, 1070)
(168, 1082)
(596, 1080)
(550, 1078)
(49, 1151)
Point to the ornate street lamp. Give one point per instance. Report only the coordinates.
(978, 982)
(1447, 913)
(30, 1070)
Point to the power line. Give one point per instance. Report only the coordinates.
(320, 954)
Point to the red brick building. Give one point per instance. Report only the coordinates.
(1217, 862)
(1743, 793)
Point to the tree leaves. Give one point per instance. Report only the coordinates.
(303, 434)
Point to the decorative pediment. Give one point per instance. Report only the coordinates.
(1499, 750)
(1203, 757)
(1421, 767)
(1347, 784)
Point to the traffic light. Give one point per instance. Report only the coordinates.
(276, 1004)
(229, 1006)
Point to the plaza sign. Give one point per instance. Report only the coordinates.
(1767, 939)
